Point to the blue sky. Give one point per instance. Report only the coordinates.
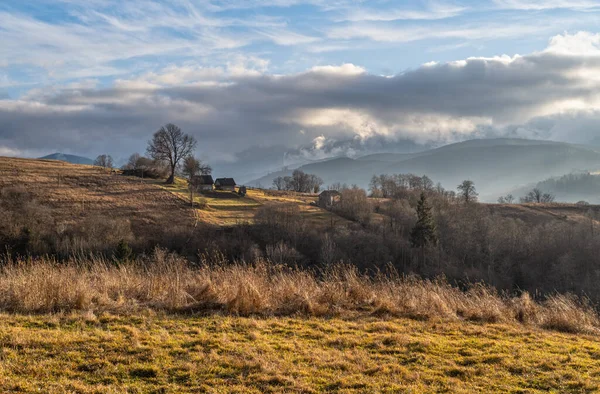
(308, 78)
(64, 41)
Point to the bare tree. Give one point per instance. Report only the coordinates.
(104, 161)
(467, 191)
(314, 183)
(279, 183)
(132, 162)
(538, 197)
(171, 145)
(508, 199)
(192, 167)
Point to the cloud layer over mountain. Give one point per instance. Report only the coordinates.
(326, 110)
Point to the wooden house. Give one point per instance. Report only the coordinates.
(328, 198)
(227, 184)
(202, 182)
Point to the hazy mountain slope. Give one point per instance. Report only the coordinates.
(388, 157)
(495, 165)
(494, 168)
(73, 159)
(570, 188)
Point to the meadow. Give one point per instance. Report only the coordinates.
(111, 283)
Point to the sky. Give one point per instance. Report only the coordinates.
(265, 83)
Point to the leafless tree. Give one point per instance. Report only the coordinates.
(537, 196)
(192, 167)
(467, 191)
(279, 183)
(132, 162)
(508, 199)
(171, 145)
(104, 161)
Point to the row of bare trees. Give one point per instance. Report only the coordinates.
(399, 186)
(300, 182)
(536, 196)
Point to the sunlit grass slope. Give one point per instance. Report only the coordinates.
(149, 353)
(228, 208)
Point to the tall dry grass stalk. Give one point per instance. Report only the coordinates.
(169, 283)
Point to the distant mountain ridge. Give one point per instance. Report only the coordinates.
(495, 165)
(73, 159)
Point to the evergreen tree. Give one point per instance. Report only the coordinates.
(123, 251)
(424, 232)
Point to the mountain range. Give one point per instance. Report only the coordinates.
(68, 158)
(495, 165)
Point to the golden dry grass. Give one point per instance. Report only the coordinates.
(536, 214)
(227, 208)
(150, 353)
(166, 282)
(75, 191)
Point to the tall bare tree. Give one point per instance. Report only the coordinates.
(467, 191)
(171, 145)
(279, 183)
(192, 167)
(104, 161)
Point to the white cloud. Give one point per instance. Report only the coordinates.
(538, 5)
(242, 105)
(579, 44)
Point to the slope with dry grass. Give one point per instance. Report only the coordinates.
(227, 208)
(536, 214)
(73, 190)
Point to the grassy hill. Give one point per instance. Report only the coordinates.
(227, 208)
(70, 193)
(535, 214)
(160, 323)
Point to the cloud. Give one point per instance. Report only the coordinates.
(435, 11)
(326, 110)
(401, 34)
(537, 5)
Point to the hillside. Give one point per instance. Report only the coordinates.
(536, 214)
(73, 192)
(495, 165)
(71, 198)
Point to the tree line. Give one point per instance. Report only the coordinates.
(299, 181)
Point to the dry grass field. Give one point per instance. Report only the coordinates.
(228, 208)
(73, 192)
(535, 214)
(150, 353)
(168, 327)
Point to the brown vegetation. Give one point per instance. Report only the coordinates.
(65, 208)
(169, 283)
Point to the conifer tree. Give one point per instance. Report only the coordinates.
(424, 232)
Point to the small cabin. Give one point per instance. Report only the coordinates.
(328, 198)
(202, 183)
(227, 184)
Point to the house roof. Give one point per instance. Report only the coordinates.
(225, 182)
(202, 180)
(326, 193)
